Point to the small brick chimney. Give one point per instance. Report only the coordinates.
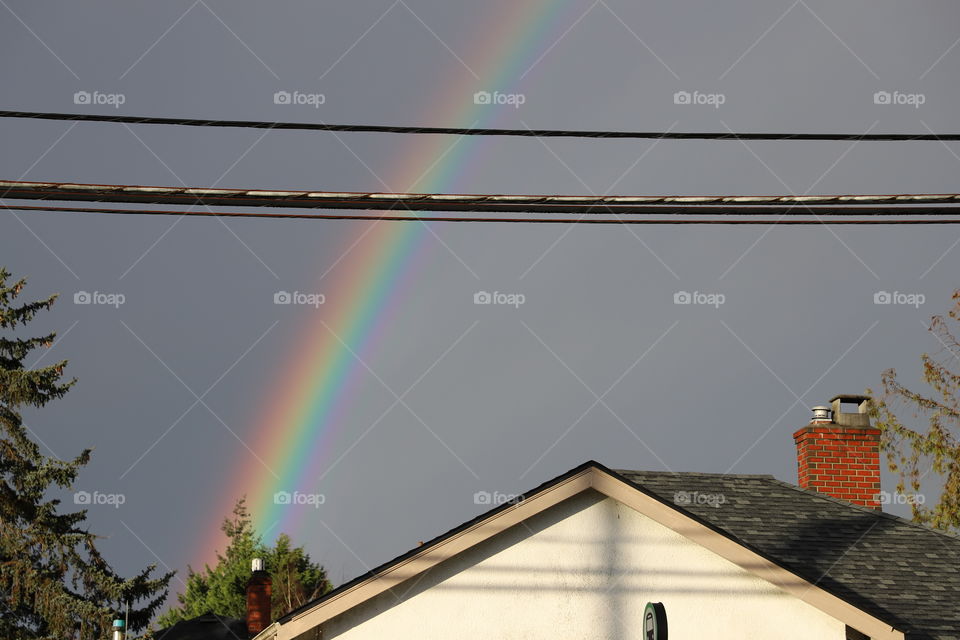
(259, 592)
(838, 453)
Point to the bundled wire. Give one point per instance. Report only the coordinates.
(406, 207)
(817, 205)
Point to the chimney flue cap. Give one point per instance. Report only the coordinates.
(858, 419)
(257, 564)
(821, 413)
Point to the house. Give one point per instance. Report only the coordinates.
(602, 553)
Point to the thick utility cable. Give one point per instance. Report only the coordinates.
(468, 131)
(830, 205)
(395, 218)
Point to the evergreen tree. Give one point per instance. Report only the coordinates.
(296, 580)
(53, 581)
(913, 453)
(222, 589)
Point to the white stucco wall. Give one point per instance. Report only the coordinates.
(585, 569)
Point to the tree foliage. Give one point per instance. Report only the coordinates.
(913, 452)
(221, 589)
(53, 581)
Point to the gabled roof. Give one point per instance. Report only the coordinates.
(878, 573)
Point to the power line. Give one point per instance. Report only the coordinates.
(468, 131)
(828, 205)
(791, 221)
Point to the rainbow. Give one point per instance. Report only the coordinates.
(301, 416)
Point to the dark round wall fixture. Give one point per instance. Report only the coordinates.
(655, 621)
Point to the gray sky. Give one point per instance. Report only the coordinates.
(683, 387)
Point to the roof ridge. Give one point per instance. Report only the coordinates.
(699, 473)
(783, 483)
(858, 507)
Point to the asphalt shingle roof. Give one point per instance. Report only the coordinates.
(898, 571)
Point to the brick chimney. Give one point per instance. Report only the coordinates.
(259, 591)
(838, 453)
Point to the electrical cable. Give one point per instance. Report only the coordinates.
(470, 131)
(396, 218)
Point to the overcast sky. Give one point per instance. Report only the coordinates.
(510, 397)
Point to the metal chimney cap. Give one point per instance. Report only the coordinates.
(257, 564)
(821, 413)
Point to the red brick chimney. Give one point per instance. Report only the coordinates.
(259, 592)
(839, 454)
